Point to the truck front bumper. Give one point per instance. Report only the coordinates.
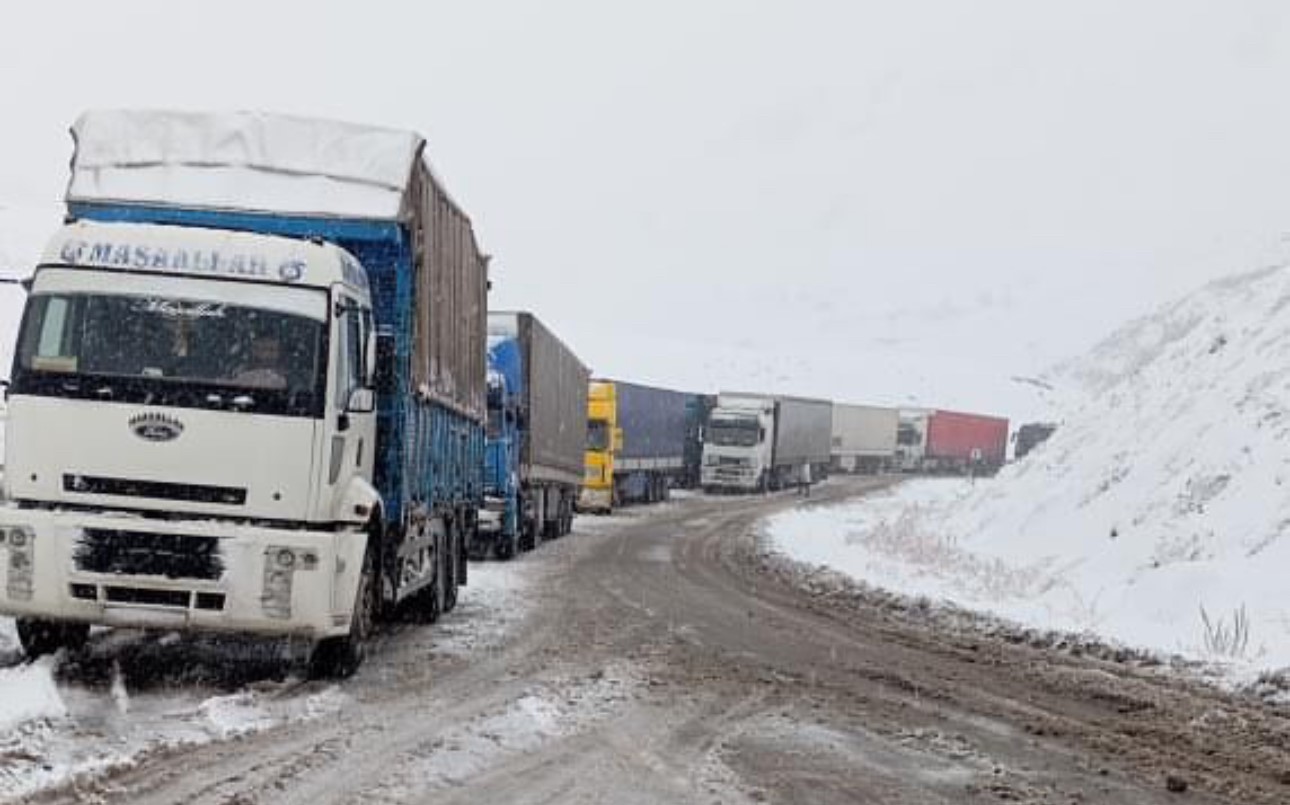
(125, 570)
(730, 477)
(596, 499)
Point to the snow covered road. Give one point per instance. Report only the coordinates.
(661, 657)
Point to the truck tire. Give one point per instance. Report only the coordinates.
(41, 637)
(505, 548)
(340, 657)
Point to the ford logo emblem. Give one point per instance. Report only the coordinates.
(156, 427)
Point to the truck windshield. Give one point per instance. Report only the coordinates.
(733, 433)
(169, 351)
(597, 434)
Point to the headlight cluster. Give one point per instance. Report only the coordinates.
(280, 567)
(20, 540)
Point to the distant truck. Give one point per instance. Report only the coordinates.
(638, 438)
(248, 390)
(1031, 435)
(864, 437)
(911, 439)
(537, 430)
(760, 441)
(965, 443)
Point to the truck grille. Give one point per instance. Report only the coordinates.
(128, 487)
(138, 553)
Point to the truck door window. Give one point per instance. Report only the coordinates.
(353, 354)
(54, 350)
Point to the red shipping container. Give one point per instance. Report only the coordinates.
(967, 437)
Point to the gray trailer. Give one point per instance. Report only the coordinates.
(864, 437)
(803, 434)
(555, 399)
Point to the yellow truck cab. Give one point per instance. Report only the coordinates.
(603, 439)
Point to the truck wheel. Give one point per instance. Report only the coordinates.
(41, 637)
(339, 657)
(505, 547)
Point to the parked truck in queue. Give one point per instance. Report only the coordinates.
(248, 391)
(864, 437)
(641, 443)
(760, 441)
(537, 429)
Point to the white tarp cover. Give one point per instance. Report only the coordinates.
(241, 160)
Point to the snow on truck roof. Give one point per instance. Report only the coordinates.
(206, 253)
(242, 160)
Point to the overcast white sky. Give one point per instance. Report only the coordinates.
(879, 201)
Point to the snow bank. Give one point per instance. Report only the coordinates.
(29, 694)
(1157, 515)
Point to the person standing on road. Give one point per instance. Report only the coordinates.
(804, 480)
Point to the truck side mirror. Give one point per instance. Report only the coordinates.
(618, 440)
(21, 282)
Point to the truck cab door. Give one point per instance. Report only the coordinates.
(351, 452)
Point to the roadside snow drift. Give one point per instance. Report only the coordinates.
(1157, 515)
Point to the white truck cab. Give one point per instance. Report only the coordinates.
(738, 444)
(190, 435)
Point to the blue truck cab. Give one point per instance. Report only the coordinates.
(537, 402)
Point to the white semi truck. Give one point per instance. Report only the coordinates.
(248, 390)
(759, 441)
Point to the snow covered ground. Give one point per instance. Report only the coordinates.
(64, 719)
(1158, 515)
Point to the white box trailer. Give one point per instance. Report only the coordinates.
(864, 437)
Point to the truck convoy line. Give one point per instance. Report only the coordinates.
(257, 389)
(537, 427)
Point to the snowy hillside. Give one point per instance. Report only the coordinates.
(1165, 492)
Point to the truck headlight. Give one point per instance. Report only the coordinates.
(21, 542)
(279, 573)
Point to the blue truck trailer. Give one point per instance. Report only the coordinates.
(537, 426)
(249, 394)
